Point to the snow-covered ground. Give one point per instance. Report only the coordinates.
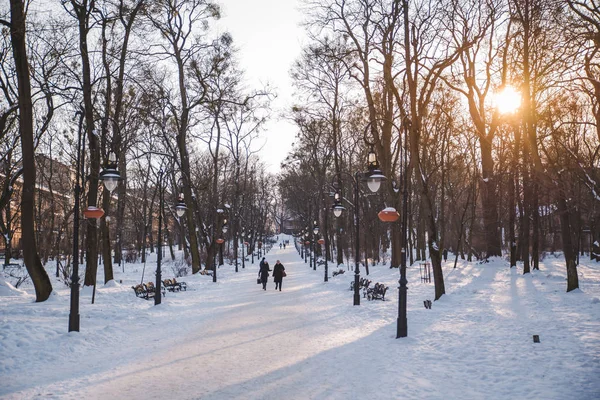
(232, 340)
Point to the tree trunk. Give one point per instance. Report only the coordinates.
(565, 227)
(489, 201)
(39, 277)
(188, 196)
(82, 12)
(535, 242)
(527, 204)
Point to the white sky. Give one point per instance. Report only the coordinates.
(269, 37)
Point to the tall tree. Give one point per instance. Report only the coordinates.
(82, 12)
(476, 26)
(180, 24)
(39, 277)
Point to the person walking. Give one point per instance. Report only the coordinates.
(278, 274)
(263, 273)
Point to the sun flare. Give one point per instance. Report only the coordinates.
(508, 100)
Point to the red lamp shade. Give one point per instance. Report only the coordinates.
(307, 243)
(220, 241)
(388, 214)
(93, 212)
(246, 244)
(321, 241)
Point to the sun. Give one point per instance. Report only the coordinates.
(508, 100)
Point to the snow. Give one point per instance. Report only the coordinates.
(6, 289)
(232, 340)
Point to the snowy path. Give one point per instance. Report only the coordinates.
(231, 340)
(223, 355)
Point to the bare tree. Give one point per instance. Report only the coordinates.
(180, 23)
(39, 277)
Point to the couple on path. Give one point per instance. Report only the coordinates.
(278, 274)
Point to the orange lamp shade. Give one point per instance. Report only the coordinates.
(220, 240)
(388, 214)
(93, 212)
(321, 241)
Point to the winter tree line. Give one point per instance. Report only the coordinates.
(420, 82)
(152, 82)
(414, 80)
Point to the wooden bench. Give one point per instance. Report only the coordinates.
(173, 286)
(377, 292)
(338, 272)
(362, 283)
(146, 290)
(16, 271)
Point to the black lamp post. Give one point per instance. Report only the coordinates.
(180, 208)
(224, 229)
(243, 236)
(306, 250)
(315, 232)
(374, 177)
(219, 241)
(110, 177)
(402, 323)
(251, 239)
(74, 311)
(326, 243)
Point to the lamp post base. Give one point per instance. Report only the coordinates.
(402, 322)
(356, 289)
(402, 330)
(74, 322)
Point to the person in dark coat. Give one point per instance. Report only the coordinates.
(263, 273)
(278, 271)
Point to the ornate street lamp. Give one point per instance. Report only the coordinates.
(110, 177)
(180, 206)
(374, 177)
(180, 209)
(225, 226)
(337, 206)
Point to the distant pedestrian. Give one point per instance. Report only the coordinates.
(280, 245)
(284, 246)
(445, 253)
(263, 273)
(278, 274)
